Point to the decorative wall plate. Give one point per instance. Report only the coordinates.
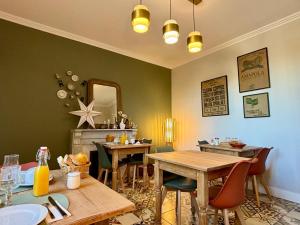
(69, 73)
(71, 86)
(62, 94)
(75, 78)
(77, 93)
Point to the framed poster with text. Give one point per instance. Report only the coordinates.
(253, 70)
(214, 97)
(256, 105)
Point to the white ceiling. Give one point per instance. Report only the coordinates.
(106, 23)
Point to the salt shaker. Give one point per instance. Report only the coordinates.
(73, 180)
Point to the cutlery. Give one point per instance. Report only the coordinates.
(50, 213)
(53, 202)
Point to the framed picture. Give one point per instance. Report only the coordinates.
(253, 71)
(256, 105)
(214, 96)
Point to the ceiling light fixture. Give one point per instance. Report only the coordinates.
(194, 40)
(170, 29)
(140, 18)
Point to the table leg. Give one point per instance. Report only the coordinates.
(115, 158)
(158, 179)
(202, 196)
(145, 167)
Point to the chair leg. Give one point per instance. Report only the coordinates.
(178, 211)
(163, 194)
(134, 176)
(240, 215)
(216, 217)
(100, 174)
(121, 179)
(194, 204)
(105, 177)
(263, 182)
(256, 190)
(226, 216)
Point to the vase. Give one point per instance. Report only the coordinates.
(122, 125)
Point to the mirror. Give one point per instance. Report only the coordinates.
(107, 96)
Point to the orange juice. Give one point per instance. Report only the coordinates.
(41, 181)
(41, 173)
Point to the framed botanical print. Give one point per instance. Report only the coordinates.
(253, 69)
(256, 105)
(214, 97)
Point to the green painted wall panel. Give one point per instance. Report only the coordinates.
(30, 113)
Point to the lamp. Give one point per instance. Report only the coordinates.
(194, 40)
(171, 29)
(140, 18)
(169, 130)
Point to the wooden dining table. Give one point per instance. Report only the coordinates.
(92, 203)
(226, 149)
(118, 150)
(200, 166)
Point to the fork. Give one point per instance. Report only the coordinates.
(46, 204)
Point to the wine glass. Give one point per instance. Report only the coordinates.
(6, 183)
(11, 160)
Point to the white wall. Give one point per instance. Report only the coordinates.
(281, 130)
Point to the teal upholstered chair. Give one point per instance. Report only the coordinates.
(136, 161)
(105, 164)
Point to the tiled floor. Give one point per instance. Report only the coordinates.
(280, 212)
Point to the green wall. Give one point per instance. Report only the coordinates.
(30, 113)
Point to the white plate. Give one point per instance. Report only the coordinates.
(62, 94)
(75, 78)
(24, 214)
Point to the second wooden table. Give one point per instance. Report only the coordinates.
(116, 150)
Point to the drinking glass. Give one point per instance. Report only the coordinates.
(11, 160)
(3, 198)
(6, 184)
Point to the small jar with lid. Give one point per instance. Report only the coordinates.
(73, 180)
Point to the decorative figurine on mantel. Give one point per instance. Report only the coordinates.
(123, 121)
(86, 113)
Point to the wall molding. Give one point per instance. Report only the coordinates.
(79, 38)
(74, 37)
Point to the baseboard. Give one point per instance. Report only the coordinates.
(288, 195)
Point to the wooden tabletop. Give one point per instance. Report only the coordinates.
(120, 146)
(203, 161)
(229, 148)
(92, 202)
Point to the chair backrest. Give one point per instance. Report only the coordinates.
(147, 141)
(166, 148)
(103, 157)
(203, 142)
(232, 193)
(260, 166)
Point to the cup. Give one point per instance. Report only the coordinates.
(11, 160)
(73, 180)
(3, 198)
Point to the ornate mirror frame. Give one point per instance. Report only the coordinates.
(105, 83)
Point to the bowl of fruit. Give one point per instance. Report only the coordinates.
(237, 144)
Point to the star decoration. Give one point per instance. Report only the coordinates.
(86, 113)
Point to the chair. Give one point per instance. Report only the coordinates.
(105, 162)
(136, 161)
(232, 193)
(203, 142)
(257, 170)
(180, 184)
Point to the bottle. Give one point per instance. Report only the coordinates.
(41, 173)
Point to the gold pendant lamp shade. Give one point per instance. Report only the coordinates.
(140, 19)
(171, 32)
(194, 42)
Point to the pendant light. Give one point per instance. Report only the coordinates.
(140, 18)
(194, 40)
(171, 29)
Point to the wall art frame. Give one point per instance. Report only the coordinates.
(253, 71)
(214, 97)
(256, 105)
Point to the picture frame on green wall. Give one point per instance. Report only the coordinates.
(256, 105)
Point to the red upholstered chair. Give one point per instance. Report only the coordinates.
(257, 170)
(232, 194)
(27, 166)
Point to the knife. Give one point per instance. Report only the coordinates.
(53, 202)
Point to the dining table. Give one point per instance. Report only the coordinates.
(118, 150)
(200, 166)
(227, 149)
(92, 203)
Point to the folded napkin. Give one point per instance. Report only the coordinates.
(56, 213)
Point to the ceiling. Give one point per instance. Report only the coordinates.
(106, 23)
